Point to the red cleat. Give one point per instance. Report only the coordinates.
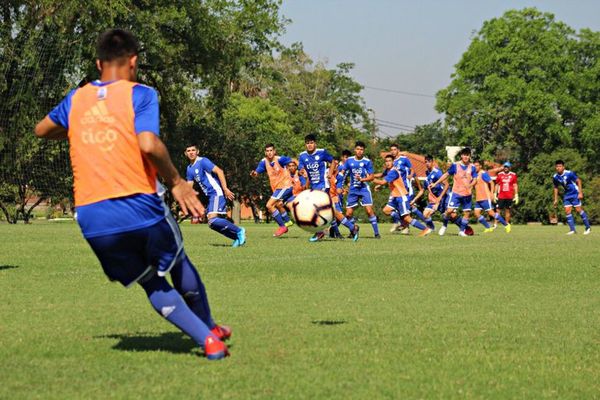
(214, 349)
(280, 231)
(223, 332)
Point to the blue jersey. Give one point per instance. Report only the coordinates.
(315, 165)
(128, 213)
(568, 181)
(404, 166)
(201, 172)
(357, 169)
(283, 161)
(433, 176)
(340, 177)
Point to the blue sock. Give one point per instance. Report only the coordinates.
(585, 219)
(571, 221)
(348, 224)
(285, 217)
(500, 219)
(458, 222)
(168, 303)
(418, 213)
(429, 223)
(373, 221)
(445, 220)
(334, 226)
(417, 224)
(483, 221)
(277, 217)
(462, 223)
(224, 227)
(395, 217)
(187, 282)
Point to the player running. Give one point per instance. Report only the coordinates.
(211, 180)
(314, 163)
(506, 192)
(112, 125)
(360, 170)
(281, 185)
(465, 177)
(483, 199)
(437, 195)
(398, 206)
(572, 196)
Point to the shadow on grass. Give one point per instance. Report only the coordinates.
(220, 245)
(3, 267)
(328, 322)
(173, 342)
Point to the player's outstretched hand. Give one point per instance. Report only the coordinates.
(187, 199)
(229, 194)
(253, 173)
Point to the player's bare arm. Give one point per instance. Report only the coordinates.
(442, 179)
(555, 203)
(367, 178)
(219, 172)
(48, 129)
(155, 151)
(580, 195)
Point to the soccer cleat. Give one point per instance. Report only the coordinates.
(378, 236)
(394, 227)
(222, 332)
(508, 228)
(214, 349)
(425, 232)
(587, 231)
(488, 230)
(442, 231)
(571, 233)
(280, 231)
(289, 223)
(355, 233)
(405, 231)
(462, 234)
(317, 236)
(241, 236)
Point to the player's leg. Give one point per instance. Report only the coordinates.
(404, 209)
(570, 219)
(584, 217)
(283, 211)
(496, 216)
(272, 206)
(367, 202)
(479, 207)
(217, 209)
(351, 203)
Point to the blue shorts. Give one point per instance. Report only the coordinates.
(484, 205)
(128, 256)
(455, 201)
(571, 202)
(441, 207)
(359, 195)
(216, 204)
(286, 195)
(400, 204)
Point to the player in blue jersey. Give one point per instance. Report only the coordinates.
(360, 171)
(437, 196)
(211, 180)
(341, 191)
(483, 199)
(112, 125)
(314, 164)
(572, 196)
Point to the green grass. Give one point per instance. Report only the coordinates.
(495, 316)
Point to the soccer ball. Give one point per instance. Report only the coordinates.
(469, 231)
(312, 210)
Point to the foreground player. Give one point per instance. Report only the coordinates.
(573, 194)
(211, 180)
(398, 206)
(281, 184)
(112, 126)
(465, 177)
(483, 199)
(360, 170)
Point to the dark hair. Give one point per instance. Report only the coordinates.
(346, 153)
(478, 161)
(310, 138)
(389, 156)
(192, 145)
(360, 144)
(465, 152)
(116, 43)
(269, 145)
(394, 145)
(428, 157)
(559, 162)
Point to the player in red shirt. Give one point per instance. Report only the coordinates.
(507, 191)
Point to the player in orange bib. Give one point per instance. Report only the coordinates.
(298, 181)
(483, 198)
(281, 184)
(112, 125)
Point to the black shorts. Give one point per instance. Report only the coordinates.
(504, 203)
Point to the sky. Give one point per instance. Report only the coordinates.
(407, 46)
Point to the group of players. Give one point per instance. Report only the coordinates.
(350, 175)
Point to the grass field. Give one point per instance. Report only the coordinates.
(495, 316)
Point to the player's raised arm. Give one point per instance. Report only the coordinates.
(219, 172)
(155, 151)
(48, 129)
